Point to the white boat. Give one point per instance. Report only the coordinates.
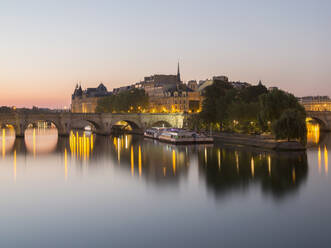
(153, 132)
(179, 136)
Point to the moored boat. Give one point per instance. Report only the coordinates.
(153, 132)
(179, 136)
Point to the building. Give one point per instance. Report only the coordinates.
(238, 85)
(179, 100)
(167, 93)
(316, 103)
(193, 85)
(156, 85)
(86, 101)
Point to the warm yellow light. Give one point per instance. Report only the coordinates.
(252, 167)
(319, 159)
(326, 160)
(269, 165)
(139, 160)
(132, 161)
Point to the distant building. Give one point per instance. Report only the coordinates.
(157, 84)
(121, 89)
(208, 82)
(193, 85)
(316, 103)
(85, 101)
(221, 78)
(167, 93)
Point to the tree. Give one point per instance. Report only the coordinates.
(133, 101)
(273, 104)
(252, 93)
(218, 96)
(291, 125)
(246, 114)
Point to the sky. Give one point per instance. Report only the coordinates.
(47, 47)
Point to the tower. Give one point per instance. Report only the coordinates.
(178, 73)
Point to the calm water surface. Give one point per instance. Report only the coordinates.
(127, 191)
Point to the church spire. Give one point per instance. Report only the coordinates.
(178, 73)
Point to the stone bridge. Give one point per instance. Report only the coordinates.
(102, 122)
(322, 117)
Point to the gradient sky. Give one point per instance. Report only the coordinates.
(46, 47)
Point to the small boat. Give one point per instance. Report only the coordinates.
(179, 136)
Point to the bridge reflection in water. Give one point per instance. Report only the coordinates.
(224, 169)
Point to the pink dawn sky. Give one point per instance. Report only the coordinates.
(46, 48)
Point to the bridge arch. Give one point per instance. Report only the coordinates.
(34, 123)
(81, 123)
(320, 121)
(161, 123)
(125, 125)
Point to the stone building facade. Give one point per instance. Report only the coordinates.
(316, 103)
(86, 101)
(176, 101)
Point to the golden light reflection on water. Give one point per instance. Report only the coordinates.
(313, 131)
(81, 145)
(326, 160)
(252, 167)
(7, 140)
(219, 158)
(319, 159)
(139, 160)
(269, 165)
(132, 158)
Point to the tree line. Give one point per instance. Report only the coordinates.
(128, 101)
(252, 110)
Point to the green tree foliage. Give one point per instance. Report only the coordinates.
(224, 106)
(291, 125)
(217, 99)
(252, 109)
(274, 103)
(252, 93)
(133, 101)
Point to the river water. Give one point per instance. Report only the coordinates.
(127, 191)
